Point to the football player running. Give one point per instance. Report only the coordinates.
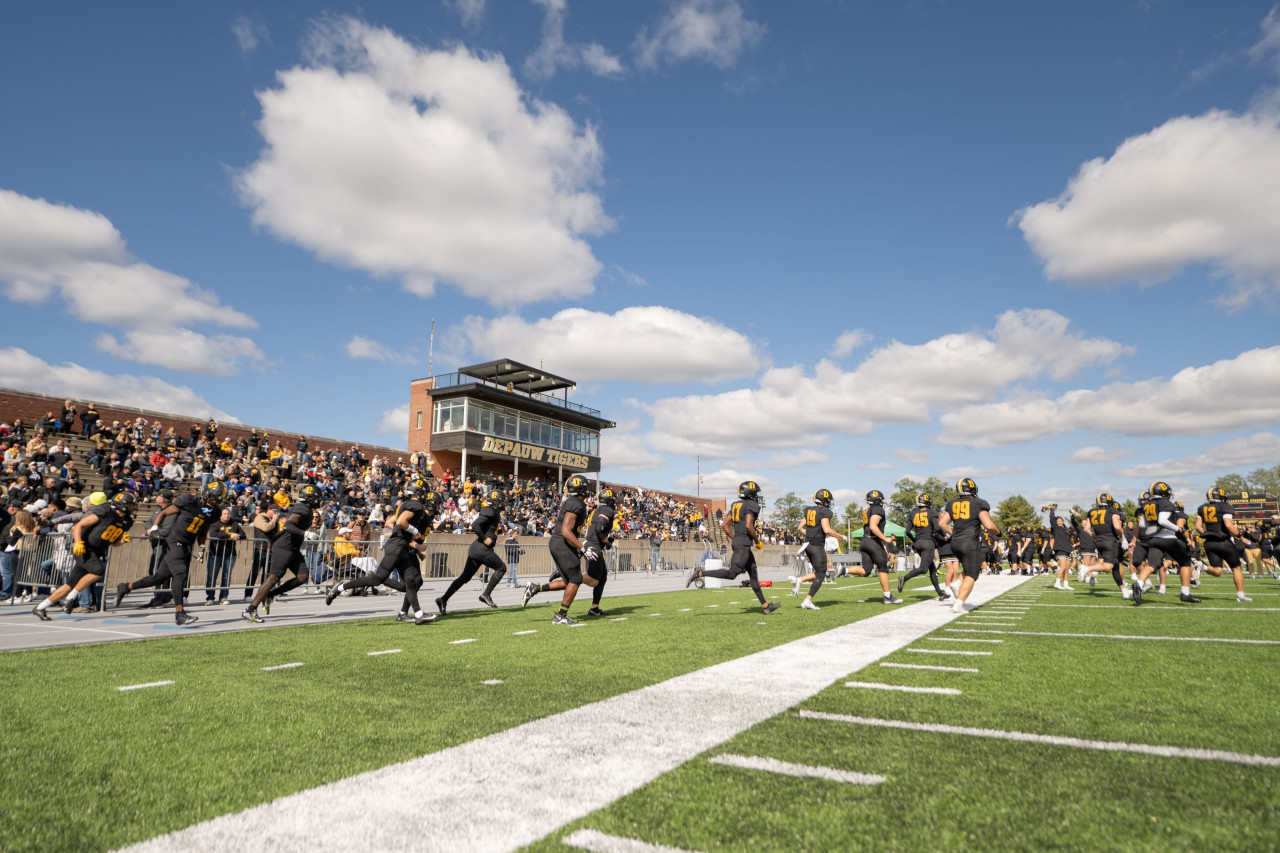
(740, 524)
(102, 527)
(1168, 541)
(874, 540)
(962, 519)
(923, 535)
(815, 527)
(1105, 526)
(1215, 522)
(599, 538)
(486, 525)
(286, 553)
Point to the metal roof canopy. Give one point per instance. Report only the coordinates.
(521, 377)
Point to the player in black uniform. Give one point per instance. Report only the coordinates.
(1168, 541)
(598, 538)
(1086, 549)
(1059, 539)
(1105, 527)
(1215, 522)
(102, 527)
(923, 534)
(874, 541)
(194, 515)
(740, 523)
(815, 527)
(286, 553)
(481, 553)
(962, 519)
(567, 550)
(402, 552)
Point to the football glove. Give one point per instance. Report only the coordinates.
(126, 538)
(78, 549)
(591, 554)
(759, 546)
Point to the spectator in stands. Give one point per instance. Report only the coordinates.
(71, 477)
(223, 537)
(69, 413)
(22, 525)
(210, 430)
(361, 531)
(171, 475)
(195, 435)
(8, 557)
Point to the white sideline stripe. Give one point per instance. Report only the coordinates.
(387, 652)
(1171, 605)
(598, 842)
(685, 609)
(460, 642)
(733, 602)
(1079, 743)
(961, 639)
(619, 619)
(713, 605)
(492, 681)
(803, 771)
(947, 652)
(446, 797)
(522, 633)
(902, 688)
(927, 666)
(1111, 637)
(141, 686)
(655, 614)
(281, 666)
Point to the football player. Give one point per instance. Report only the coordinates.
(740, 524)
(599, 538)
(962, 519)
(874, 541)
(1215, 522)
(815, 527)
(286, 553)
(193, 515)
(1168, 540)
(101, 528)
(486, 525)
(1105, 526)
(402, 552)
(923, 535)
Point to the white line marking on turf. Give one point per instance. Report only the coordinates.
(387, 652)
(927, 666)
(1116, 637)
(713, 605)
(492, 681)
(1172, 604)
(685, 609)
(598, 842)
(522, 633)
(281, 666)
(733, 602)
(141, 686)
(947, 652)
(619, 619)
(804, 771)
(959, 639)
(1079, 743)
(446, 796)
(655, 614)
(460, 642)
(901, 688)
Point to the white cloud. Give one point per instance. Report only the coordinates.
(876, 466)
(1259, 448)
(21, 369)
(250, 34)
(1065, 497)
(554, 52)
(784, 461)
(982, 473)
(794, 408)
(395, 421)
(471, 11)
(912, 457)
(648, 343)
(1099, 454)
(850, 341)
(724, 484)
(625, 451)
(714, 31)
(431, 166)
(362, 347)
(1196, 190)
(1229, 394)
(78, 255)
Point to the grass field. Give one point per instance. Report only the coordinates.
(88, 767)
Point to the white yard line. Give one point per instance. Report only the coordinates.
(1181, 608)
(142, 686)
(803, 771)
(460, 642)
(927, 666)
(447, 799)
(947, 652)
(902, 688)
(522, 633)
(598, 842)
(492, 682)
(1078, 743)
(387, 652)
(962, 639)
(1108, 637)
(281, 666)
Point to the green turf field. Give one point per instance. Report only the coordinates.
(87, 767)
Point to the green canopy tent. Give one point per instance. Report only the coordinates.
(895, 530)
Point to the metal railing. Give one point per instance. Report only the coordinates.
(453, 380)
(218, 570)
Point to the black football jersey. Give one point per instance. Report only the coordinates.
(572, 504)
(291, 536)
(965, 511)
(868, 514)
(600, 525)
(486, 524)
(1213, 514)
(739, 511)
(420, 518)
(923, 523)
(1151, 512)
(111, 525)
(191, 519)
(1146, 520)
(1102, 520)
(813, 532)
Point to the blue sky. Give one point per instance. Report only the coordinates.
(823, 244)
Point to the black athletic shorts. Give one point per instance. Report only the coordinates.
(1173, 549)
(969, 552)
(566, 559)
(1140, 549)
(817, 555)
(177, 560)
(89, 564)
(873, 550)
(743, 560)
(1221, 551)
(945, 552)
(1109, 551)
(597, 568)
(402, 559)
(282, 561)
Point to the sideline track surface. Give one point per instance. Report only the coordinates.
(515, 787)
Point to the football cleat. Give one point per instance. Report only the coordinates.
(266, 604)
(185, 618)
(795, 587)
(809, 605)
(122, 589)
(251, 614)
(690, 578)
(40, 614)
(69, 606)
(1189, 599)
(530, 590)
(441, 605)
(487, 601)
(425, 619)
(564, 619)
(1136, 593)
(403, 617)
(893, 599)
(333, 593)
(595, 611)
(771, 607)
